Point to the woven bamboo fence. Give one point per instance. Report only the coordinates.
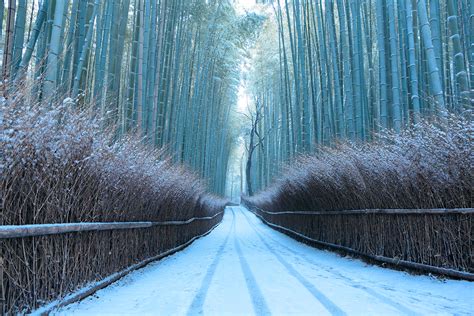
(439, 241)
(44, 263)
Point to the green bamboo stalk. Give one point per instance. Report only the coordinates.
(85, 50)
(434, 75)
(460, 72)
(40, 18)
(2, 12)
(383, 86)
(396, 107)
(19, 36)
(435, 25)
(413, 74)
(51, 76)
(8, 46)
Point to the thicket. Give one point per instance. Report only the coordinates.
(58, 166)
(430, 165)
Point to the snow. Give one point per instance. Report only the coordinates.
(244, 267)
(44, 309)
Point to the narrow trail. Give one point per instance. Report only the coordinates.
(243, 267)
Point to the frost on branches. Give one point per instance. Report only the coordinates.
(428, 166)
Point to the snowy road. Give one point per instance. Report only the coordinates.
(243, 267)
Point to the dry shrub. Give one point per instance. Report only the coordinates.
(428, 166)
(57, 166)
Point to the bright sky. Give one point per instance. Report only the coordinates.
(242, 5)
(243, 100)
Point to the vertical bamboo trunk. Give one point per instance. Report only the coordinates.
(19, 36)
(347, 81)
(8, 46)
(2, 12)
(40, 18)
(460, 73)
(434, 75)
(435, 25)
(383, 86)
(413, 74)
(139, 96)
(395, 73)
(306, 131)
(85, 49)
(66, 74)
(297, 103)
(51, 76)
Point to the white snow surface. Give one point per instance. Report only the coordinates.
(243, 268)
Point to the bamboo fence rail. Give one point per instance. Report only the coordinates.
(45, 263)
(83, 293)
(378, 211)
(19, 231)
(438, 241)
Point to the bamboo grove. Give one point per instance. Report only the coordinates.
(164, 69)
(324, 71)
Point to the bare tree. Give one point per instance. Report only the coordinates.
(255, 140)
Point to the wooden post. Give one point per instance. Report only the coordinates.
(2, 289)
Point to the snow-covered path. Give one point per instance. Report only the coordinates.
(243, 267)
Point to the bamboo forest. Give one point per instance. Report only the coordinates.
(132, 129)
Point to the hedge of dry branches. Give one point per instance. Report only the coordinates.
(440, 240)
(37, 270)
(56, 166)
(430, 166)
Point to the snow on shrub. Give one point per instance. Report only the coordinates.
(428, 166)
(57, 165)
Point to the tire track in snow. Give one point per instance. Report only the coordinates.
(355, 284)
(198, 301)
(186, 279)
(258, 301)
(324, 300)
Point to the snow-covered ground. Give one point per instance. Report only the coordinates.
(243, 267)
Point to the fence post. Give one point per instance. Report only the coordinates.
(2, 289)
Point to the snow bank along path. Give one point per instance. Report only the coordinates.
(244, 267)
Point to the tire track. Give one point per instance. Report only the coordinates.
(198, 301)
(258, 301)
(405, 310)
(324, 300)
